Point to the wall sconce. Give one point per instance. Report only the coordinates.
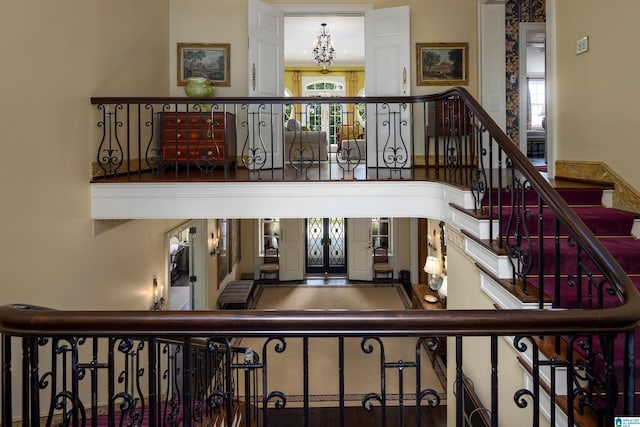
(432, 247)
(158, 298)
(215, 245)
(432, 268)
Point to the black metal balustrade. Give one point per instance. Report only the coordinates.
(147, 139)
(55, 364)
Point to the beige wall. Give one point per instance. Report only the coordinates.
(202, 21)
(597, 91)
(57, 55)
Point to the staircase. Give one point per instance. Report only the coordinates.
(550, 272)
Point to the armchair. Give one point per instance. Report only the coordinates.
(349, 132)
(304, 144)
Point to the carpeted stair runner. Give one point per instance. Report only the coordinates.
(600, 220)
(573, 196)
(612, 227)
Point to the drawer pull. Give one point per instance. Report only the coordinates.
(178, 121)
(178, 153)
(208, 120)
(209, 153)
(178, 136)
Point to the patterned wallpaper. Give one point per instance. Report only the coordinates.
(517, 11)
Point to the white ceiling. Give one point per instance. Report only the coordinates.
(347, 33)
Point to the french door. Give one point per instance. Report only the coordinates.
(326, 245)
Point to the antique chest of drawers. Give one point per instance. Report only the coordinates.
(203, 139)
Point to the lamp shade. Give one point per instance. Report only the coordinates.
(432, 265)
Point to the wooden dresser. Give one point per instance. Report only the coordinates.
(194, 138)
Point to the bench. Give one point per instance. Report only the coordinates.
(236, 294)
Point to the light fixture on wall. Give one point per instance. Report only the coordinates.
(215, 245)
(158, 298)
(432, 247)
(323, 51)
(432, 268)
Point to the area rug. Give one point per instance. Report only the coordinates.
(363, 358)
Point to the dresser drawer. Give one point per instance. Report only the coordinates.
(183, 153)
(187, 119)
(183, 135)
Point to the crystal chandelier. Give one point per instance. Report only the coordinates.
(323, 51)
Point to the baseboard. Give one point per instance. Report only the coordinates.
(625, 196)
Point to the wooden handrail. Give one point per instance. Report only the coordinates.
(22, 321)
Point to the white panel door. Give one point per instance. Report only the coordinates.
(360, 261)
(292, 249)
(263, 146)
(388, 73)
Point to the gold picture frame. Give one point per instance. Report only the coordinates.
(443, 64)
(209, 60)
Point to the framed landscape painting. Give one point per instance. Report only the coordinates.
(445, 64)
(207, 60)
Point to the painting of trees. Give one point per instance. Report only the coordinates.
(442, 63)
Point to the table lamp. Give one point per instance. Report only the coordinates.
(432, 268)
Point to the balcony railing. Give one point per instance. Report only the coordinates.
(180, 368)
(178, 139)
(446, 137)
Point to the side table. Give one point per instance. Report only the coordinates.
(418, 302)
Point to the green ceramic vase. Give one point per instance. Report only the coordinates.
(199, 87)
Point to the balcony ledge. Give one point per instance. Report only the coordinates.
(279, 199)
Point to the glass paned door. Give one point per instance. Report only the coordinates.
(326, 245)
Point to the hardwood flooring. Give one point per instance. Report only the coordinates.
(356, 416)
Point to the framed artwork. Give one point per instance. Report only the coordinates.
(207, 60)
(444, 64)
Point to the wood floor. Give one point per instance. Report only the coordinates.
(357, 416)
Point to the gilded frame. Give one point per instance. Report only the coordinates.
(209, 60)
(443, 64)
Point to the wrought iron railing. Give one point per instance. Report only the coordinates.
(140, 367)
(148, 139)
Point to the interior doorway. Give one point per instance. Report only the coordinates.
(326, 246)
(186, 266)
(533, 93)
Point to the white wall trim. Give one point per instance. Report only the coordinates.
(322, 8)
(419, 199)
